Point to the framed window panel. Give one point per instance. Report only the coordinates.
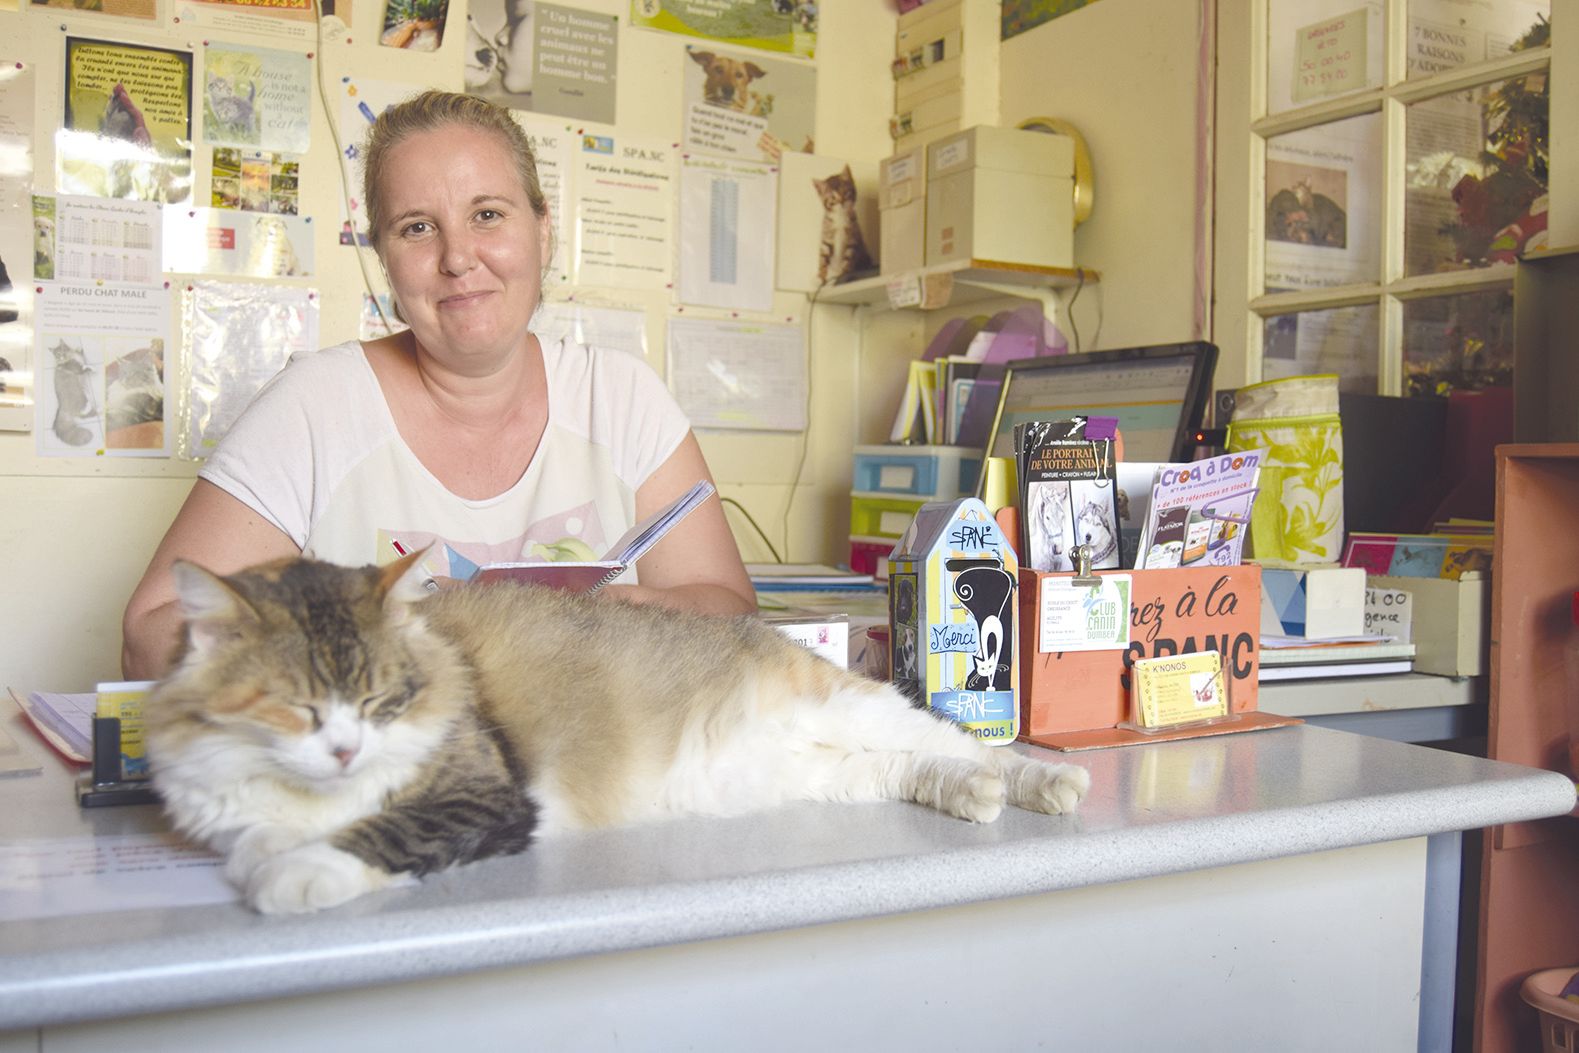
(1394, 158)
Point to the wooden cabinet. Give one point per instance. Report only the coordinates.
(1529, 907)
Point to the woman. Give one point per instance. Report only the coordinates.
(463, 433)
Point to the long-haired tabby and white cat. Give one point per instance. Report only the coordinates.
(332, 730)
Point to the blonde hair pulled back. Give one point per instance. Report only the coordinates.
(430, 111)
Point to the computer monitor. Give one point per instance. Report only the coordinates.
(1158, 394)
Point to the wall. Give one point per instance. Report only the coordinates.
(1125, 73)
(77, 533)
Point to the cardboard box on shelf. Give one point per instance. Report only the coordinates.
(1451, 621)
(902, 215)
(1002, 194)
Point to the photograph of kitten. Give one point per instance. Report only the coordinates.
(842, 254)
(334, 730)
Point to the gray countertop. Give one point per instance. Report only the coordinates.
(1153, 810)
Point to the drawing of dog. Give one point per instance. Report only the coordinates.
(727, 83)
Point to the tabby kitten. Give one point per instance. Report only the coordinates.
(842, 254)
(335, 730)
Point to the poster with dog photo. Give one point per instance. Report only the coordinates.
(543, 57)
(742, 105)
(768, 25)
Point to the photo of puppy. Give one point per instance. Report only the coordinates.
(43, 247)
(727, 83)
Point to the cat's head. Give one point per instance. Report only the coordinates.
(316, 671)
(65, 354)
(837, 190)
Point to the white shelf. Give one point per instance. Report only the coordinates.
(962, 281)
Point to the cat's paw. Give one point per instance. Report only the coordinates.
(311, 877)
(978, 796)
(1054, 788)
(254, 846)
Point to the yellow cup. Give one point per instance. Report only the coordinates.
(999, 489)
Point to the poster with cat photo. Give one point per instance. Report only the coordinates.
(101, 354)
(127, 127)
(739, 104)
(257, 98)
(827, 222)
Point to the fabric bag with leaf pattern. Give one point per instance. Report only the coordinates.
(1298, 514)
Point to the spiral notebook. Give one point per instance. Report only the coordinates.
(589, 576)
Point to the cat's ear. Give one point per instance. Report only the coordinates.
(213, 610)
(403, 583)
(848, 178)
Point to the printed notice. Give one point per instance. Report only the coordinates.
(727, 231)
(101, 360)
(577, 54)
(89, 875)
(624, 212)
(738, 374)
(551, 141)
(96, 239)
(616, 328)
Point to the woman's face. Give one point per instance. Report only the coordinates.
(463, 249)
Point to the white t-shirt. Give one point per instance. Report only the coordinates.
(318, 455)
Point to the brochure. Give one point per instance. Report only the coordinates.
(1200, 512)
(1068, 492)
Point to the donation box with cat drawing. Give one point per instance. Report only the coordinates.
(954, 619)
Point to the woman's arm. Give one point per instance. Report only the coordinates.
(697, 565)
(218, 533)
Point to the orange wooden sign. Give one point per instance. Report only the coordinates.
(1171, 612)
